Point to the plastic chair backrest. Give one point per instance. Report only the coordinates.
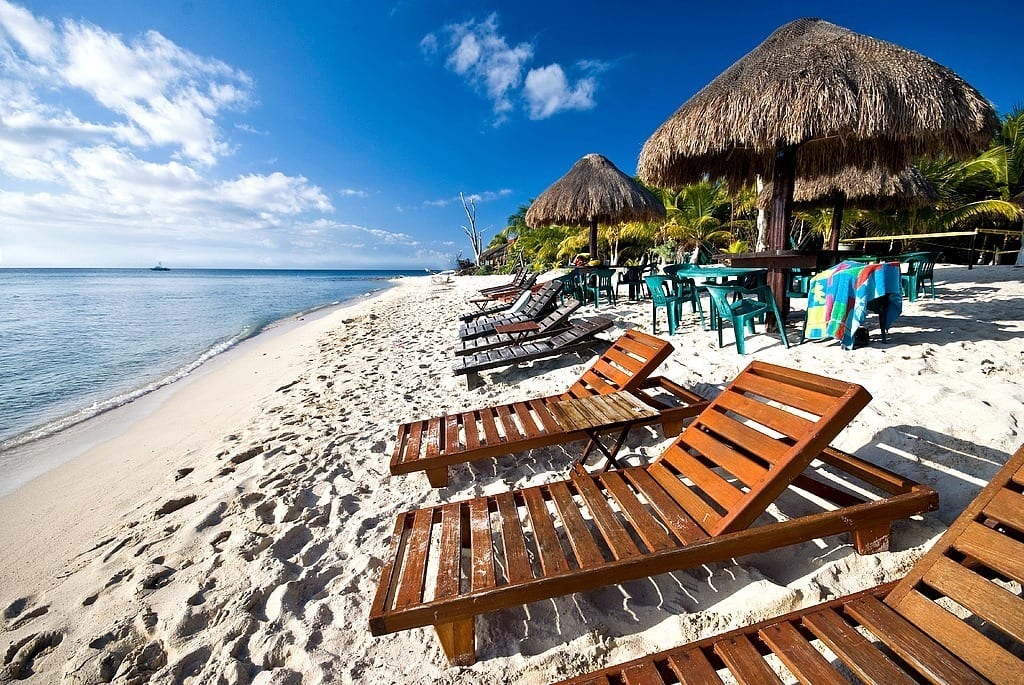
(662, 288)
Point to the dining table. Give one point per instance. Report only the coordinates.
(839, 299)
(716, 274)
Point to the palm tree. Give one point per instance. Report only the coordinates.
(695, 215)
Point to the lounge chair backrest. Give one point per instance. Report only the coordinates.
(983, 544)
(558, 315)
(764, 429)
(624, 366)
(521, 302)
(542, 298)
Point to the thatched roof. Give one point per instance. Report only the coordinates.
(874, 188)
(594, 190)
(845, 99)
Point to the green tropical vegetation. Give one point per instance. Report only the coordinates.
(986, 192)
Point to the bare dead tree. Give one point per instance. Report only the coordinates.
(475, 235)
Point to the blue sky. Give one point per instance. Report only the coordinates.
(339, 135)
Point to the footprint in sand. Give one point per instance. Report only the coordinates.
(19, 660)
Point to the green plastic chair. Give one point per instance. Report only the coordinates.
(600, 281)
(570, 287)
(664, 296)
(749, 304)
(911, 280)
(688, 290)
(926, 273)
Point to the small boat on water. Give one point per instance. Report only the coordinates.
(160, 267)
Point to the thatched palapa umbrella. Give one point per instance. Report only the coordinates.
(594, 192)
(874, 188)
(812, 99)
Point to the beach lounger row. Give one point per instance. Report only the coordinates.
(703, 500)
(521, 279)
(957, 617)
(513, 334)
(535, 306)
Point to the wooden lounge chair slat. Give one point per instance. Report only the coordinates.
(1007, 507)
(739, 465)
(744, 661)
(643, 674)
(696, 508)
(996, 605)
(580, 538)
(777, 419)
(526, 420)
(693, 668)
(669, 511)
(451, 432)
(415, 436)
(434, 440)
(800, 398)
(859, 655)
(482, 565)
(487, 418)
(547, 419)
(612, 530)
(402, 454)
(552, 557)
(976, 650)
(999, 552)
(449, 553)
(800, 379)
(410, 589)
(470, 424)
(911, 644)
(800, 657)
(719, 489)
(391, 569)
(649, 528)
(728, 429)
(508, 424)
(517, 560)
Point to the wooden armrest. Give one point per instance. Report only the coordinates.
(520, 327)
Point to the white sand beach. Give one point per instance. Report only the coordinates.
(233, 528)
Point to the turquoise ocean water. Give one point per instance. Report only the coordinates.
(77, 342)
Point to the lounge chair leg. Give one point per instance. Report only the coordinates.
(472, 379)
(872, 539)
(457, 640)
(438, 477)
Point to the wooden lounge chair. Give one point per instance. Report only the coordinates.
(579, 334)
(516, 333)
(538, 304)
(693, 505)
(432, 445)
(512, 305)
(518, 281)
(905, 632)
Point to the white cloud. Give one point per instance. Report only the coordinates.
(154, 91)
(109, 153)
(477, 52)
(485, 196)
(486, 59)
(36, 37)
(548, 92)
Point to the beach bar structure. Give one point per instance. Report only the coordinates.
(811, 100)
